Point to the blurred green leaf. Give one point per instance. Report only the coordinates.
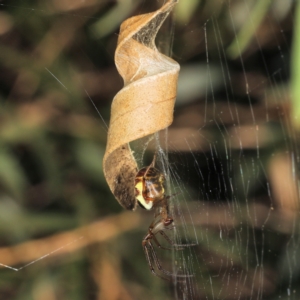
(296, 70)
(112, 19)
(89, 156)
(185, 9)
(12, 176)
(247, 32)
(29, 223)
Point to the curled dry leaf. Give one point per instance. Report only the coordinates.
(145, 105)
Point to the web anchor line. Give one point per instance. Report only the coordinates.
(40, 258)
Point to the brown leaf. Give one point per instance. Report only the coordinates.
(145, 105)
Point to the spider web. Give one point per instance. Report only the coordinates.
(230, 158)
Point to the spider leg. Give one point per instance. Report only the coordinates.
(149, 261)
(153, 161)
(151, 165)
(160, 227)
(159, 245)
(176, 246)
(149, 249)
(156, 260)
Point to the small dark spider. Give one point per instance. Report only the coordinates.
(150, 193)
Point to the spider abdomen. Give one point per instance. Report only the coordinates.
(149, 187)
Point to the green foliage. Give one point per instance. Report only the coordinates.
(296, 70)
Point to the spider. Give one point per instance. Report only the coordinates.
(150, 193)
